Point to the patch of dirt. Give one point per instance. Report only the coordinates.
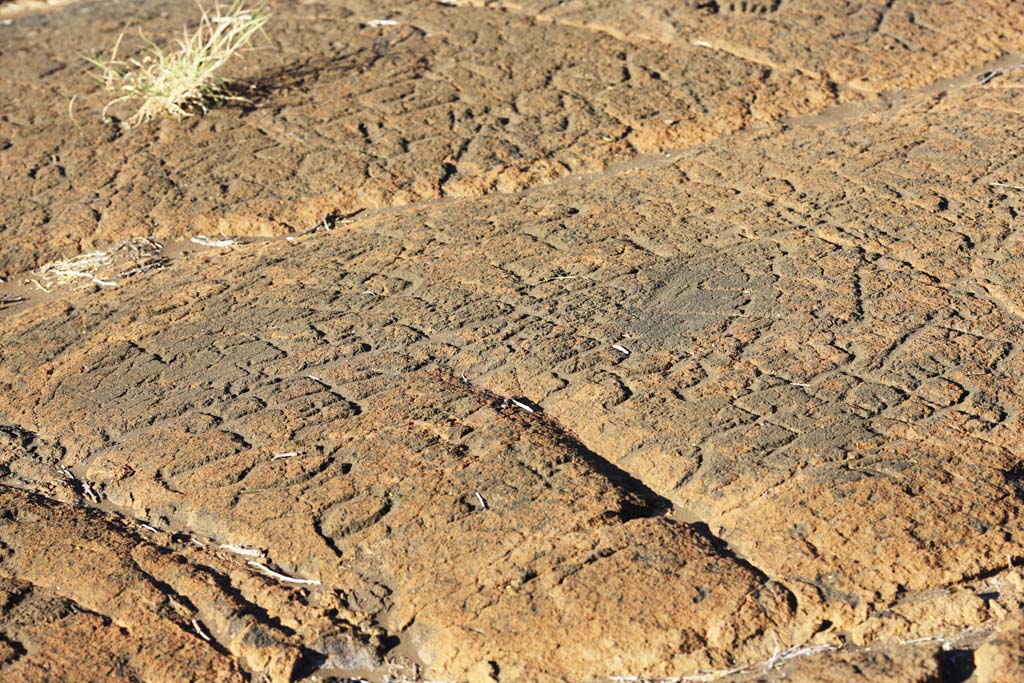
(748, 411)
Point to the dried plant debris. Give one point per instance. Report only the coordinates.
(102, 268)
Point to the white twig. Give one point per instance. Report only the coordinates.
(706, 676)
(149, 528)
(483, 503)
(988, 76)
(382, 22)
(807, 651)
(86, 489)
(776, 653)
(621, 349)
(289, 454)
(926, 639)
(1008, 186)
(214, 242)
(523, 406)
(199, 631)
(282, 577)
(67, 272)
(240, 550)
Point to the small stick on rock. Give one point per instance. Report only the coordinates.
(1007, 186)
(282, 577)
(990, 75)
(289, 454)
(240, 550)
(214, 242)
(523, 406)
(199, 631)
(90, 494)
(86, 488)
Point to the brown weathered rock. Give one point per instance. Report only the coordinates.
(753, 409)
(448, 101)
(1000, 659)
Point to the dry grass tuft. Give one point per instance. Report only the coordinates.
(177, 82)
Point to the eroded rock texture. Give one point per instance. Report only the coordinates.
(750, 408)
(440, 100)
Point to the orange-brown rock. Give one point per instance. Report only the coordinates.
(750, 410)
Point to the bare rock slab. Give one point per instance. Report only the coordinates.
(751, 409)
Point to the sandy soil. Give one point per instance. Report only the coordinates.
(668, 341)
